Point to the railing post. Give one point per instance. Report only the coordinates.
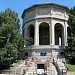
(64, 72)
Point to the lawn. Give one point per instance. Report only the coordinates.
(71, 68)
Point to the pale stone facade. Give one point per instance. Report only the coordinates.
(47, 25)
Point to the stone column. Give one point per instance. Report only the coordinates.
(36, 34)
(62, 35)
(66, 44)
(52, 33)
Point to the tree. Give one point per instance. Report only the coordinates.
(29, 40)
(10, 37)
(70, 50)
(7, 55)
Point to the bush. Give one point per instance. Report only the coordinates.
(8, 55)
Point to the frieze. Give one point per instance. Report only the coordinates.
(58, 12)
(43, 11)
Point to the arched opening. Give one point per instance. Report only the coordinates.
(59, 34)
(31, 34)
(44, 37)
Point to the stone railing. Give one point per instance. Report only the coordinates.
(18, 69)
(60, 66)
(51, 72)
(44, 47)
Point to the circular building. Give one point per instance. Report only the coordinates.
(45, 25)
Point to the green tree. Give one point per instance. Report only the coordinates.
(8, 55)
(70, 50)
(10, 37)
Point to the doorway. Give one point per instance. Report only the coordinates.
(59, 34)
(44, 35)
(40, 66)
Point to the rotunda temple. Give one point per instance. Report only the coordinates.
(46, 25)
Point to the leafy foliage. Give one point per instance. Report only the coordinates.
(28, 39)
(70, 67)
(8, 54)
(10, 37)
(70, 50)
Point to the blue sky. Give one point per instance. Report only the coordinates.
(20, 5)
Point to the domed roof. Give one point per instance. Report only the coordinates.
(44, 4)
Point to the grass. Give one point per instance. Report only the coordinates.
(71, 68)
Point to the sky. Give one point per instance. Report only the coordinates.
(19, 5)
